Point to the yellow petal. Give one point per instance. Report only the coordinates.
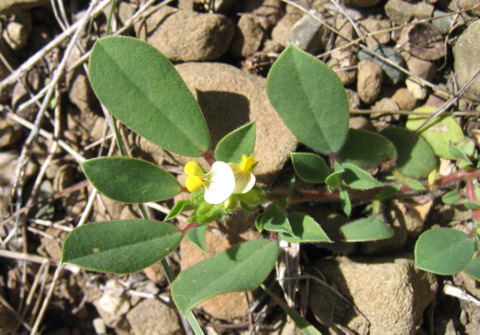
(193, 183)
(192, 168)
(247, 163)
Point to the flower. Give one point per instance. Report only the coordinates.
(219, 182)
(244, 178)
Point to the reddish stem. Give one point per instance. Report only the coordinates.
(188, 227)
(210, 160)
(471, 197)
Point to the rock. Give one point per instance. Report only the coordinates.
(361, 3)
(269, 12)
(188, 36)
(345, 29)
(151, 316)
(8, 7)
(249, 35)
(17, 31)
(385, 104)
(309, 34)
(404, 99)
(371, 25)
(419, 67)
(401, 12)
(344, 62)
(10, 132)
(389, 292)
(393, 76)
(466, 60)
(281, 31)
(353, 99)
(418, 91)
(358, 122)
(423, 41)
(445, 23)
(230, 98)
(369, 81)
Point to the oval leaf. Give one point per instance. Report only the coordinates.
(310, 99)
(240, 268)
(130, 180)
(309, 167)
(273, 219)
(473, 269)
(440, 133)
(234, 145)
(305, 229)
(444, 251)
(416, 158)
(360, 142)
(196, 235)
(120, 246)
(144, 91)
(372, 228)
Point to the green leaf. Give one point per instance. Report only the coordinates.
(310, 99)
(234, 145)
(242, 267)
(366, 149)
(471, 205)
(473, 269)
(414, 184)
(305, 229)
(333, 179)
(130, 180)
(273, 219)
(143, 90)
(444, 251)
(372, 228)
(460, 155)
(123, 246)
(196, 235)
(388, 191)
(416, 158)
(451, 197)
(357, 178)
(345, 201)
(310, 168)
(180, 206)
(440, 133)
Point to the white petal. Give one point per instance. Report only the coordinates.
(221, 185)
(244, 183)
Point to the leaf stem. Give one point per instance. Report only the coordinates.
(208, 157)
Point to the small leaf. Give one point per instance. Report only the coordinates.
(359, 142)
(357, 178)
(143, 90)
(440, 133)
(415, 156)
(196, 235)
(461, 156)
(274, 219)
(372, 228)
(345, 201)
(123, 246)
(180, 206)
(310, 99)
(309, 167)
(471, 205)
(473, 269)
(451, 197)
(414, 184)
(388, 191)
(130, 180)
(234, 145)
(305, 229)
(443, 251)
(333, 179)
(240, 268)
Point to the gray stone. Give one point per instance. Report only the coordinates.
(423, 41)
(189, 36)
(420, 67)
(344, 62)
(445, 23)
(8, 7)
(17, 31)
(369, 81)
(309, 34)
(371, 25)
(281, 31)
(388, 291)
(466, 53)
(393, 76)
(401, 12)
(248, 36)
(151, 316)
